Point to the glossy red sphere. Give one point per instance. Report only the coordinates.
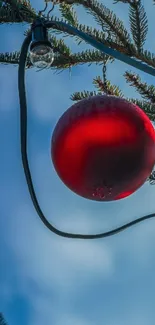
(103, 148)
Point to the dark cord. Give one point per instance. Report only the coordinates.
(41, 11)
(48, 15)
(23, 134)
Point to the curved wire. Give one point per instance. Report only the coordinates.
(23, 135)
(41, 11)
(48, 15)
(46, 5)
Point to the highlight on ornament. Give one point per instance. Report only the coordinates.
(103, 148)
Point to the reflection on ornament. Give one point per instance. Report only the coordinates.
(103, 148)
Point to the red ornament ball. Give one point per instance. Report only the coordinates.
(103, 148)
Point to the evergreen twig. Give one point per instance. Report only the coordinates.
(109, 88)
(147, 92)
(69, 14)
(107, 20)
(13, 11)
(84, 94)
(138, 23)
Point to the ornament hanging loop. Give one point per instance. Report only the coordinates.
(104, 70)
(104, 76)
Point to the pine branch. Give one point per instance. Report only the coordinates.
(108, 88)
(8, 16)
(100, 36)
(13, 58)
(147, 92)
(69, 14)
(147, 57)
(99, 84)
(94, 33)
(146, 106)
(26, 9)
(107, 20)
(125, 1)
(60, 46)
(13, 12)
(64, 58)
(84, 94)
(138, 23)
(151, 179)
(88, 56)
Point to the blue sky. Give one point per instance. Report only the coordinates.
(45, 279)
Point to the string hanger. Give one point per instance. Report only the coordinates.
(104, 76)
(104, 70)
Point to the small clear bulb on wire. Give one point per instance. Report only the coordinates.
(41, 51)
(41, 56)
